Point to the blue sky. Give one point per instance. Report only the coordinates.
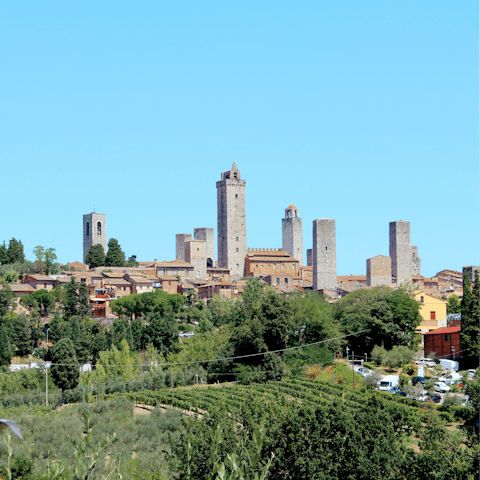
(366, 112)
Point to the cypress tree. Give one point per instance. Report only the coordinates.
(115, 256)
(71, 298)
(65, 370)
(83, 307)
(95, 256)
(15, 251)
(470, 320)
(5, 348)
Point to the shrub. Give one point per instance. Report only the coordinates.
(410, 369)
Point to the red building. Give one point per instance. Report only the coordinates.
(445, 342)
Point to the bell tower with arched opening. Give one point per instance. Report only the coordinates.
(94, 232)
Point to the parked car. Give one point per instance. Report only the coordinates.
(422, 380)
(387, 382)
(449, 364)
(397, 391)
(441, 387)
(435, 398)
(426, 362)
(451, 378)
(364, 372)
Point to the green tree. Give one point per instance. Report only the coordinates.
(39, 302)
(95, 256)
(39, 253)
(19, 332)
(50, 257)
(65, 370)
(5, 348)
(116, 362)
(71, 298)
(7, 299)
(132, 261)
(15, 251)
(162, 332)
(83, 309)
(115, 256)
(3, 254)
(453, 304)
(45, 258)
(469, 334)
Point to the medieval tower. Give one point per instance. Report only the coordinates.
(207, 235)
(94, 232)
(401, 251)
(292, 233)
(180, 239)
(324, 254)
(232, 222)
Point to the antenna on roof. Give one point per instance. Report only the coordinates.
(93, 208)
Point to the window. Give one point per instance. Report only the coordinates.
(87, 229)
(236, 239)
(236, 195)
(278, 280)
(432, 316)
(421, 299)
(261, 266)
(448, 338)
(45, 286)
(293, 266)
(283, 266)
(83, 280)
(326, 248)
(237, 249)
(286, 280)
(274, 266)
(298, 283)
(99, 228)
(176, 271)
(238, 266)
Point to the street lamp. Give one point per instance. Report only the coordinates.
(452, 348)
(347, 354)
(365, 358)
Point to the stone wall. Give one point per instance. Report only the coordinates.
(379, 271)
(208, 235)
(232, 222)
(324, 254)
(310, 257)
(180, 239)
(93, 233)
(292, 234)
(401, 251)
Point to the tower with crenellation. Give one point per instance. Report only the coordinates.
(292, 233)
(232, 222)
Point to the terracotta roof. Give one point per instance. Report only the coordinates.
(112, 275)
(167, 278)
(444, 330)
(21, 287)
(41, 278)
(352, 278)
(292, 206)
(116, 281)
(175, 263)
(140, 279)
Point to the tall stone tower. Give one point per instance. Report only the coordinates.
(232, 222)
(401, 251)
(379, 271)
(416, 262)
(292, 233)
(208, 236)
(324, 254)
(94, 232)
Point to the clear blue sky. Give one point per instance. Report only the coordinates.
(366, 112)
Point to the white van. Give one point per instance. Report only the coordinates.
(449, 364)
(386, 383)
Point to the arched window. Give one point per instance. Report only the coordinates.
(99, 228)
(87, 229)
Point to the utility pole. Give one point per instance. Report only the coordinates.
(46, 384)
(353, 368)
(347, 355)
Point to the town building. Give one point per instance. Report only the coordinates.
(175, 268)
(444, 342)
(379, 271)
(39, 282)
(196, 255)
(208, 236)
(433, 311)
(232, 223)
(180, 239)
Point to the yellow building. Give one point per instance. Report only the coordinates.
(433, 311)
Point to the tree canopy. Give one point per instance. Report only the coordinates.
(115, 256)
(95, 256)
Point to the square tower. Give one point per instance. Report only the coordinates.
(379, 271)
(180, 239)
(94, 232)
(309, 257)
(292, 233)
(401, 251)
(232, 222)
(195, 254)
(208, 235)
(416, 262)
(324, 254)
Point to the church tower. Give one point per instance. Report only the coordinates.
(232, 222)
(292, 233)
(94, 232)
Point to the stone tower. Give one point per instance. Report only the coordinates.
(416, 262)
(195, 254)
(232, 222)
(292, 233)
(309, 257)
(94, 232)
(401, 251)
(208, 235)
(324, 254)
(180, 239)
(379, 271)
